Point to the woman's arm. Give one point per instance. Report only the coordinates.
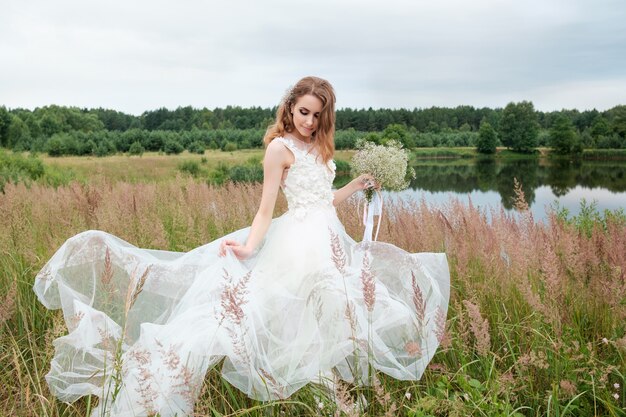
(277, 159)
(360, 183)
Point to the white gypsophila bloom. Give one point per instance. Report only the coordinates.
(388, 164)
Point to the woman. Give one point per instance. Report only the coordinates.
(283, 303)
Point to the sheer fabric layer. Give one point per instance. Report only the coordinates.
(146, 325)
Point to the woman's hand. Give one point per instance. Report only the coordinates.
(365, 181)
(360, 183)
(241, 251)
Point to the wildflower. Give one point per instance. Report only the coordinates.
(519, 201)
(369, 284)
(407, 395)
(413, 349)
(440, 324)
(418, 298)
(320, 405)
(338, 254)
(605, 340)
(479, 327)
(568, 387)
(616, 385)
(616, 396)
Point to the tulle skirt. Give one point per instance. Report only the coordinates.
(146, 325)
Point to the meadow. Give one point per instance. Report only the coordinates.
(536, 324)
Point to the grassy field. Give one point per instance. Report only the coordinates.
(537, 319)
(152, 166)
(470, 152)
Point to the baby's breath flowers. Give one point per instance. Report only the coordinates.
(387, 163)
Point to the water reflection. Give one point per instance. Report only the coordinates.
(561, 176)
(490, 182)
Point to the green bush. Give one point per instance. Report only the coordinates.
(246, 173)
(343, 167)
(54, 146)
(192, 168)
(229, 146)
(16, 168)
(251, 171)
(103, 150)
(219, 175)
(196, 147)
(487, 139)
(172, 146)
(136, 149)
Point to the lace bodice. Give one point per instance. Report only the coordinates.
(309, 182)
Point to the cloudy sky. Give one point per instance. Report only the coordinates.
(138, 55)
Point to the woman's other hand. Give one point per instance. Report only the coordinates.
(240, 251)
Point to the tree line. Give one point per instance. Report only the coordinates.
(61, 130)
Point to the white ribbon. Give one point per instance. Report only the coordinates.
(374, 208)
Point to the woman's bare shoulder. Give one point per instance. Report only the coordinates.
(277, 152)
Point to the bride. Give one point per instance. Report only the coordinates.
(283, 303)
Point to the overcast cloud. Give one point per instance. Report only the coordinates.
(140, 55)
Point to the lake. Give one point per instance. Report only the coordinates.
(489, 183)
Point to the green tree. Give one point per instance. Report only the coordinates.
(519, 127)
(433, 127)
(54, 146)
(17, 132)
(196, 147)
(562, 135)
(5, 122)
(599, 127)
(136, 149)
(50, 125)
(172, 146)
(90, 147)
(229, 146)
(395, 132)
(619, 121)
(487, 138)
(345, 139)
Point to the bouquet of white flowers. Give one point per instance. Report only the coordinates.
(388, 164)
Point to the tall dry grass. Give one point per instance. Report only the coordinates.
(536, 324)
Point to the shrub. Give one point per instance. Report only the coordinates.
(219, 175)
(196, 147)
(15, 168)
(54, 146)
(246, 173)
(487, 139)
(172, 146)
(343, 167)
(229, 146)
(192, 168)
(136, 149)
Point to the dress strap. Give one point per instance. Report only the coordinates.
(290, 145)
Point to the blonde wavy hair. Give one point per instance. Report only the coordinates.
(325, 133)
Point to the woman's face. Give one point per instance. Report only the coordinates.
(306, 113)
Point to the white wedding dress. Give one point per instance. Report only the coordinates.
(146, 325)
